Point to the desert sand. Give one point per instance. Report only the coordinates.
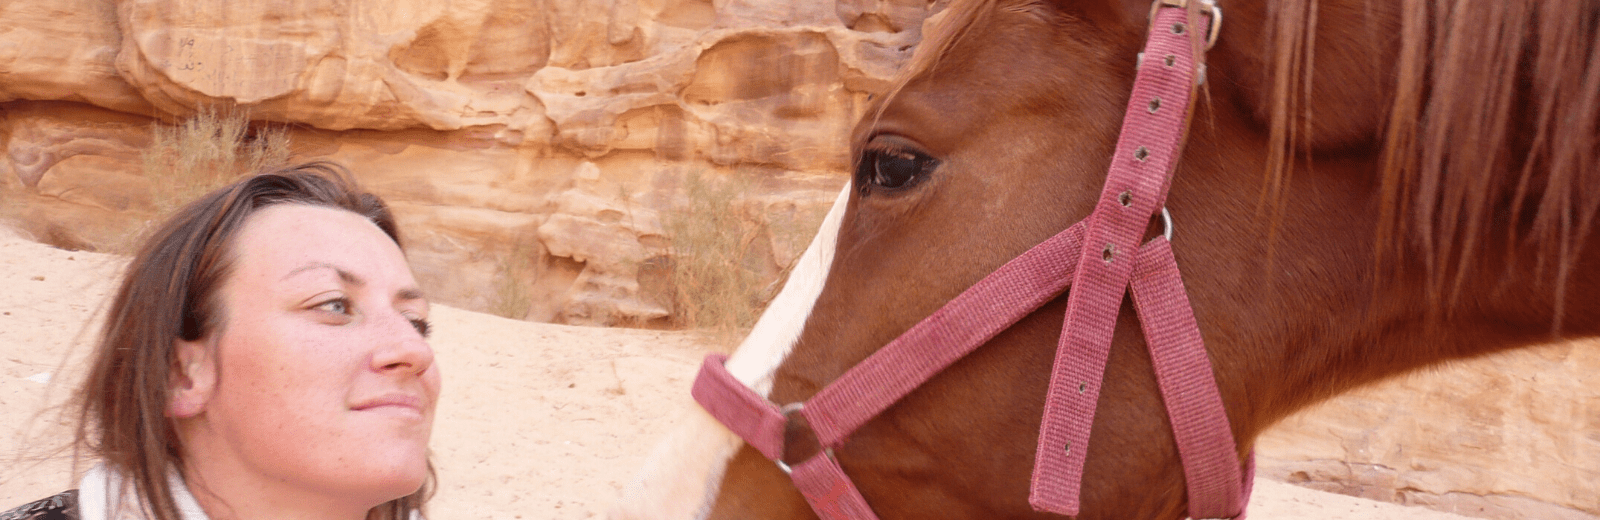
(536, 421)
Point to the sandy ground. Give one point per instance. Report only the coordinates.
(536, 421)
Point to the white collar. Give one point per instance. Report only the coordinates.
(99, 485)
(100, 497)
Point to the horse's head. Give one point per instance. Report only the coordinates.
(1000, 136)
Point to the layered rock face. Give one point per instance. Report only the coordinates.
(535, 152)
(517, 139)
(1513, 435)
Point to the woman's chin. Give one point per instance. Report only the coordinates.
(396, 474)
(385, 484)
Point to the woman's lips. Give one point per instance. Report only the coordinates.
(392, 403)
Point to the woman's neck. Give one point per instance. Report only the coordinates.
(227, 492)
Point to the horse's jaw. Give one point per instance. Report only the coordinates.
(681, 478)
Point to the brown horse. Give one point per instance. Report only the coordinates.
(1368, 187)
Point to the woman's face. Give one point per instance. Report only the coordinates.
(324, 380)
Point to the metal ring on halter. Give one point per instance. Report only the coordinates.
(1166, 224)
(828, 452)
(1166, 220)
(787, 410)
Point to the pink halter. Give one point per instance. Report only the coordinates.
(1101, 259)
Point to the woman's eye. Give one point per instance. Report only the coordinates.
(893, 167)
(337, 306)
(422, 325)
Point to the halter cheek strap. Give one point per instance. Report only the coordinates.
(1102, 259)
(1136, 189)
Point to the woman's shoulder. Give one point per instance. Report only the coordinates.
(62, 506)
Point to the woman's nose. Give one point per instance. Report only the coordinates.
(402, 347)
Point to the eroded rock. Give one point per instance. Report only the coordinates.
(1514, 428)
(480, 105)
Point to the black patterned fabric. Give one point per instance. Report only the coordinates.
(63, 506)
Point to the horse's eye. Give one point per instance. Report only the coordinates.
(893, 167)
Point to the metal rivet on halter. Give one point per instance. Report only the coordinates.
(1179, 28)
(1170, 60)
(1125, 198)
(1141, 153)
(1069, 448)
(1155, 104)
(1083, 387)
(1109, 253)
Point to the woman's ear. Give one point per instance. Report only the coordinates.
(192, 381)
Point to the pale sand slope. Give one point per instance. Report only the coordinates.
(536, 421)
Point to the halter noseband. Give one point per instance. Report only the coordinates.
(1102, 259)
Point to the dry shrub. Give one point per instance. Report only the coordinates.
(723, 275)
(206, 151)
(714, 284)
(513, 280)
(11, 205)
(14, 204)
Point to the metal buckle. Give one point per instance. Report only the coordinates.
(1208, 7)
(1216, 23)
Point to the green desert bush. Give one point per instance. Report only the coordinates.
(211, 148)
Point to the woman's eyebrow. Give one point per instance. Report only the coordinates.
(347, 276)
(406, 294)
(410, 293)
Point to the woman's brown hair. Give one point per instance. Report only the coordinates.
(168, 294)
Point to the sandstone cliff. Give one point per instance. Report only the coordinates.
(1513, 435)
(507, 133)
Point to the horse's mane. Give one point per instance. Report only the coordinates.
(1494, 128)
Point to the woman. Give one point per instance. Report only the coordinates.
(265, 357)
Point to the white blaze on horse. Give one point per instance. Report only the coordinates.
(681, 476)
(1365, 188)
